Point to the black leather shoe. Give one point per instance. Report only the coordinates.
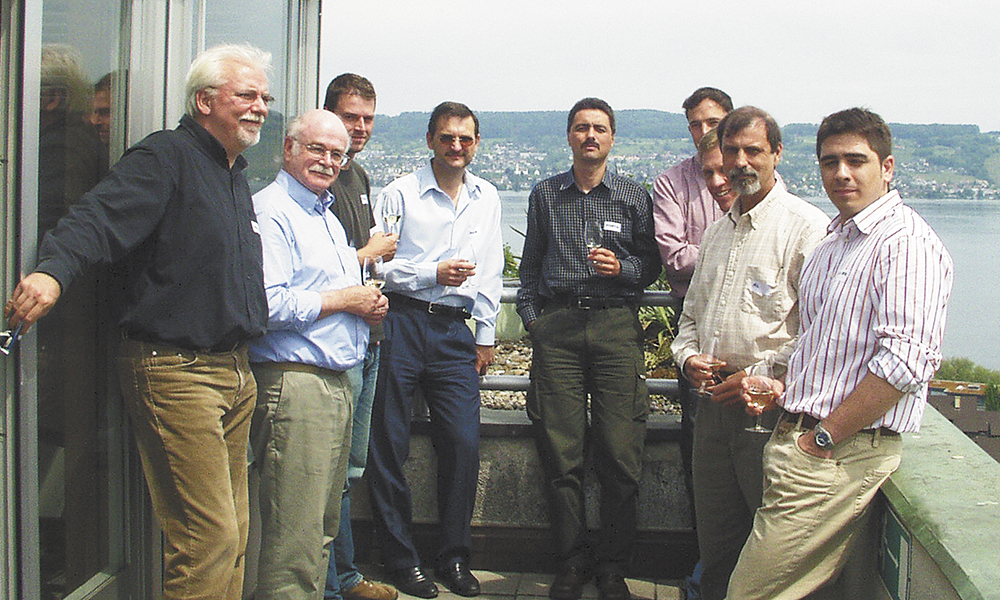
(414, 582)
(612, 586)
(568, 584)
(458, 578)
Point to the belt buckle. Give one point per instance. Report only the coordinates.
(578, 303)
(430, 308)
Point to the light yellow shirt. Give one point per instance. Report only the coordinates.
(744, 292)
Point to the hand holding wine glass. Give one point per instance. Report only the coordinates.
(373, 271)
(760, 392)
(711, 363)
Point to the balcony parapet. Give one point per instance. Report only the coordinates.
(946, 494)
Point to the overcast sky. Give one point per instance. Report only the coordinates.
(911, 61)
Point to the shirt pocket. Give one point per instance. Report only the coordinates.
(765, 294)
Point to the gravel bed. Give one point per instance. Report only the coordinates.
(514, 358)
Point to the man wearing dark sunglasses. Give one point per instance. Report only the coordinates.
(446, 269)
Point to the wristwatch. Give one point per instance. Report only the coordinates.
(823, 438)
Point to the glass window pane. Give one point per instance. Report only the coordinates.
(79, 50)
(229, 22)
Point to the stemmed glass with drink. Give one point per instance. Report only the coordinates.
(392, 212)
(373, 272)
(761, 397)
(468, 254)
(593, 237)
(714, 364)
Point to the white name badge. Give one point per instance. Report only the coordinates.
(612, 226)
(761, 289)
(255, 227)
(364, 199)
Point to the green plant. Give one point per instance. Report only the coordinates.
(992, 397)
(511, 263)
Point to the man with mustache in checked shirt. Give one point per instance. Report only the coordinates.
(580, 308)
(873, 298)
(743, 300)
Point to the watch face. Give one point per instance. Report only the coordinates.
(823, 439)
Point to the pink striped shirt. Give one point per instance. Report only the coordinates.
(873, 297)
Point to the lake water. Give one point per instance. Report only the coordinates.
(969, 228)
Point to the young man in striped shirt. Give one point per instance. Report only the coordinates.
(872, 301)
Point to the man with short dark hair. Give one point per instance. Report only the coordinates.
(742, 309)
(177, 209)
(447, 269)
(683, 208)
(318, 316)
(578, 301)
(352, 98)
(873, 301)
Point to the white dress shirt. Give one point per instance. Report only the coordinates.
(433, 229)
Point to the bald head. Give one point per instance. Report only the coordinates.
(315, 145)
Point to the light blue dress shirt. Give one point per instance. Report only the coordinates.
(434, 229)
(305, 253)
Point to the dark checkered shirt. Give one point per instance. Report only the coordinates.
(554, 261)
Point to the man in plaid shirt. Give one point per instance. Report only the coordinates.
(578, 301)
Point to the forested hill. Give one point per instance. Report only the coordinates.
(521, 147)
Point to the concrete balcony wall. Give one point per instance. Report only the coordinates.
(946, 497)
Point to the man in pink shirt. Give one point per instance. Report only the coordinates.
(682, 208)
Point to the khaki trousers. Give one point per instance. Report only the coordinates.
(301, 441)
(191, 415)
(814, 512)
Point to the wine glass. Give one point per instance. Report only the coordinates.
(468, 254)
(714, 364)
(593, 237)
(761, 397)
(392, 212)
(373, 272)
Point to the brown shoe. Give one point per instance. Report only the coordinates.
(370, 590)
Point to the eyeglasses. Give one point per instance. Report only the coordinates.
(449, 140)
(321, 151)
(251, 96)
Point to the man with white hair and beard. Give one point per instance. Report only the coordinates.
(742, 309)
(318, 316)
(177, 211)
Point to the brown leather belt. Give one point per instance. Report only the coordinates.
(808, 422)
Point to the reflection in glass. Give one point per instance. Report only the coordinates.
(74, 340)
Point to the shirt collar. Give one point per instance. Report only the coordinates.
(872, 214)
(566, 180)
(303, 196)
(210, 143)
(427, 182)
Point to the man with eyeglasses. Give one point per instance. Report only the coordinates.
(578, 301)
(318, 316)
(447, 269)
(177, 211)
(352, 98)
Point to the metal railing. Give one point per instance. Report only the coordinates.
(519, 383)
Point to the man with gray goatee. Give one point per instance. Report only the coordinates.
(742, 309)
